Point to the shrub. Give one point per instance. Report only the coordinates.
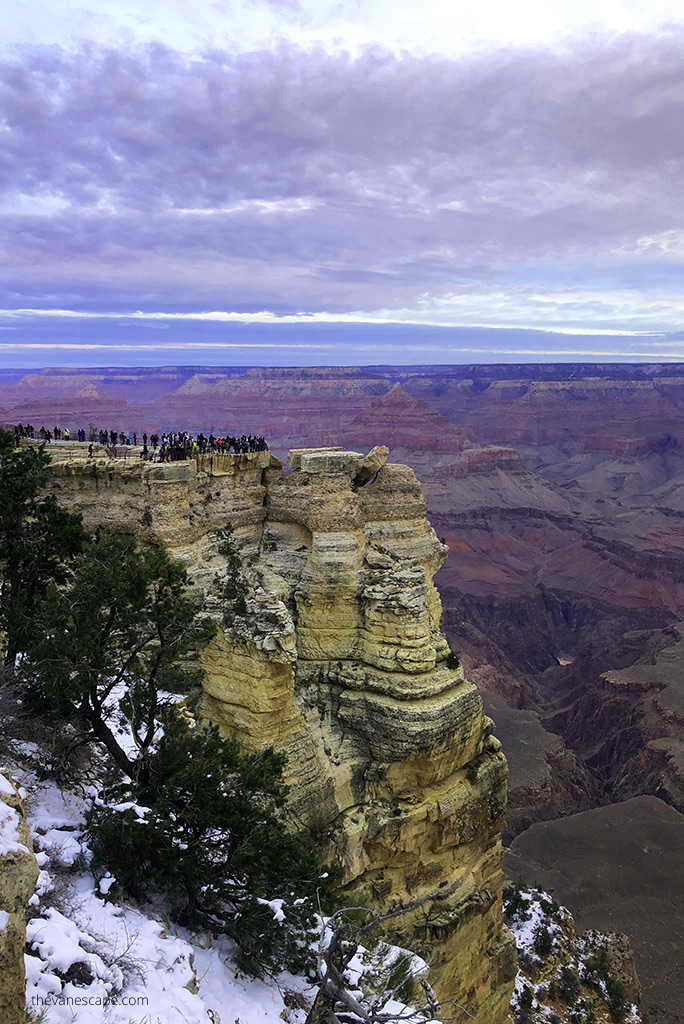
(597, 969)
(515, 904)
(106, 643)
(543, 943)
(618, 1001)
(231, 585)
(37, 540)
(525, 1003)
(206, 831)
(568, 986)
(453, 661)
(401, 980)
(549, 907)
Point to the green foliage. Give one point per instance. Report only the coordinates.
(37, 539)
(104, 643)
(550, 908)
(568, 986)
(597, 974)
(231, 584)
(597, 968)
(515, 905)
(543, 943)
(618, 1001)
(401, 980)
(105, 635)
(215, 844)
(525, 1002)
(584, 1012)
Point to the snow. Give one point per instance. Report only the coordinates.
(9, 831)
(59, 846)
(92, 960)
(525, 925)
(276, 907)
(129, 805)
(60, 944)
(538, 909)
(9, 821)
(50, 807)
(105, 884)
(135, 961)
(4, 920)
(6, 786)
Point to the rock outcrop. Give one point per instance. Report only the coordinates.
(18, 875)
(603, 861)
(340, 663)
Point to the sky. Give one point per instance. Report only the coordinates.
(271, 182)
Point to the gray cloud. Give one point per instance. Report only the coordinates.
(307, 180)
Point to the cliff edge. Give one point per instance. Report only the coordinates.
(340, 663)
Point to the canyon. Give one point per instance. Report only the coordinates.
(557, 495)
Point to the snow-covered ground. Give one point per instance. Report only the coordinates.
(93, 961)
(96, 961)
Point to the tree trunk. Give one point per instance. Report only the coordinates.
(319, 1012)
(107, 738)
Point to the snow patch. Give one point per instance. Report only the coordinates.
(9, 831)
(6, 786)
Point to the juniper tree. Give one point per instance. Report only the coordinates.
(207, 830)
(108, 641)
(37, 539)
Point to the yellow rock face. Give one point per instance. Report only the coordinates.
(18, 874)
(340, 664)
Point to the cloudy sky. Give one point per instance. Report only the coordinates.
(284, 183)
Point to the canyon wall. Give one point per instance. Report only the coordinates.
(340, 663)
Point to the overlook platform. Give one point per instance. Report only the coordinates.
(131, 457)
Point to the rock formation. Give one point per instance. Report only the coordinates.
(18, 874)
(340, 663)
(603, 861)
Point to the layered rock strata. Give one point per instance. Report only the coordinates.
(18, 875)
(340, 663)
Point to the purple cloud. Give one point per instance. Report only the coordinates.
(304, 180)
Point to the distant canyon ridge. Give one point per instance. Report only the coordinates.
(559, 490)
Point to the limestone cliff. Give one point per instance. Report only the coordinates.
(339, 662)
(18, 874)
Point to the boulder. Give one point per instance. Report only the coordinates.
(374, 461)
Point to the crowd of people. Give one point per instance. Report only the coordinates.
(181, 445)
(166, 447)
